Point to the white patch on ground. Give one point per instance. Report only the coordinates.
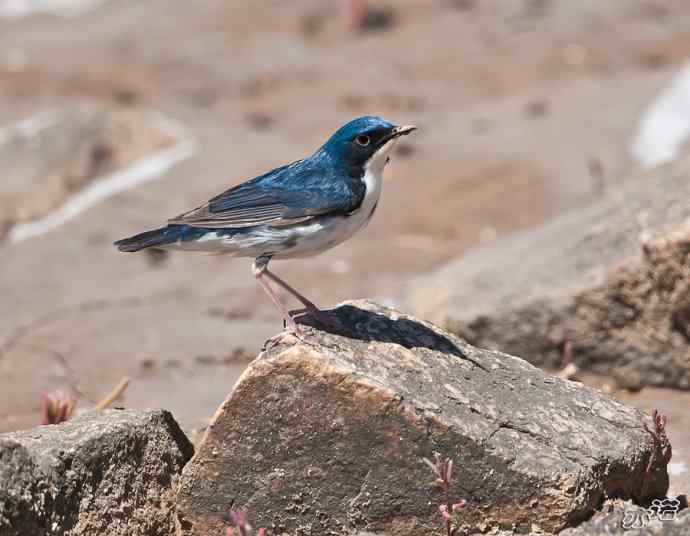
(677, 468)
(16, 9)
(146, 169)
(341, 267)
(665, 125)
(31, 126)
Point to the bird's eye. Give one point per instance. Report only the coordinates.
(363, 140)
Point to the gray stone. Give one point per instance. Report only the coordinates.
(326, 435)
(111, 472)
(612, 278)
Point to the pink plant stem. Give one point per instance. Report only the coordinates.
(355, 12)
(449, 506)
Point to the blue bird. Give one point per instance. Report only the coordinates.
(294, 211)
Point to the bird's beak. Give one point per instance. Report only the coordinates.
(403, 130)
(396, 132)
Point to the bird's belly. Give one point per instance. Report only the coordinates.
(294, 241)
(322, 234)
(325, 232)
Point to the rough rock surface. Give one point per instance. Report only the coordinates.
(111, 472)
(613, 279)
(326, 436)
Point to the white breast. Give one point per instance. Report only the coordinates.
(373, 179)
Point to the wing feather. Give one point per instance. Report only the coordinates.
(284, 196)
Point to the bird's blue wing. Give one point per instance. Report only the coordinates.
(283, 196)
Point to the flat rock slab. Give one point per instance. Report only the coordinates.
(326, 435)
(111, 472)
(613, 279)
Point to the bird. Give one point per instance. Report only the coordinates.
(294, 211)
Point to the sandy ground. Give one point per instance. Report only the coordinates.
(526, 108)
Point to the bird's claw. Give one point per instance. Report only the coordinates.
(281, 338)
(290, 329)
(301, 331)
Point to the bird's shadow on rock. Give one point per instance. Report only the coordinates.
(369, 326)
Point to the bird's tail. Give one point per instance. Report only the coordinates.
(156, 238)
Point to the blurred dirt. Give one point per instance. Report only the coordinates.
(526, 108)
(48, 157)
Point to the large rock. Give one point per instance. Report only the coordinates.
(612, 278)
(112, 472)
(326, 435)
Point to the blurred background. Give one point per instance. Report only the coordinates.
(117, 114)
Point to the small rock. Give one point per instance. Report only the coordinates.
(537, 108)
(125, 96)
(364, 18)
(313, 22)
(109, 472)
(653, 60)
(463, 5)
(378, 19)
(260, 121)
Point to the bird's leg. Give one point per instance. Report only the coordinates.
(312, 310)
(259, 269)
(309, 306)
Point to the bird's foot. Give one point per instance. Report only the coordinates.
(296, 333)
(291, 329)
(275, 340)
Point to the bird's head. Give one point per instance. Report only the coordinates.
(365, 141)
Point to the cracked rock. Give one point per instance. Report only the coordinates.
(612, 280)
(326, 436)
(110, 472)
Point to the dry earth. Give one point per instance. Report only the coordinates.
(517, 102)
